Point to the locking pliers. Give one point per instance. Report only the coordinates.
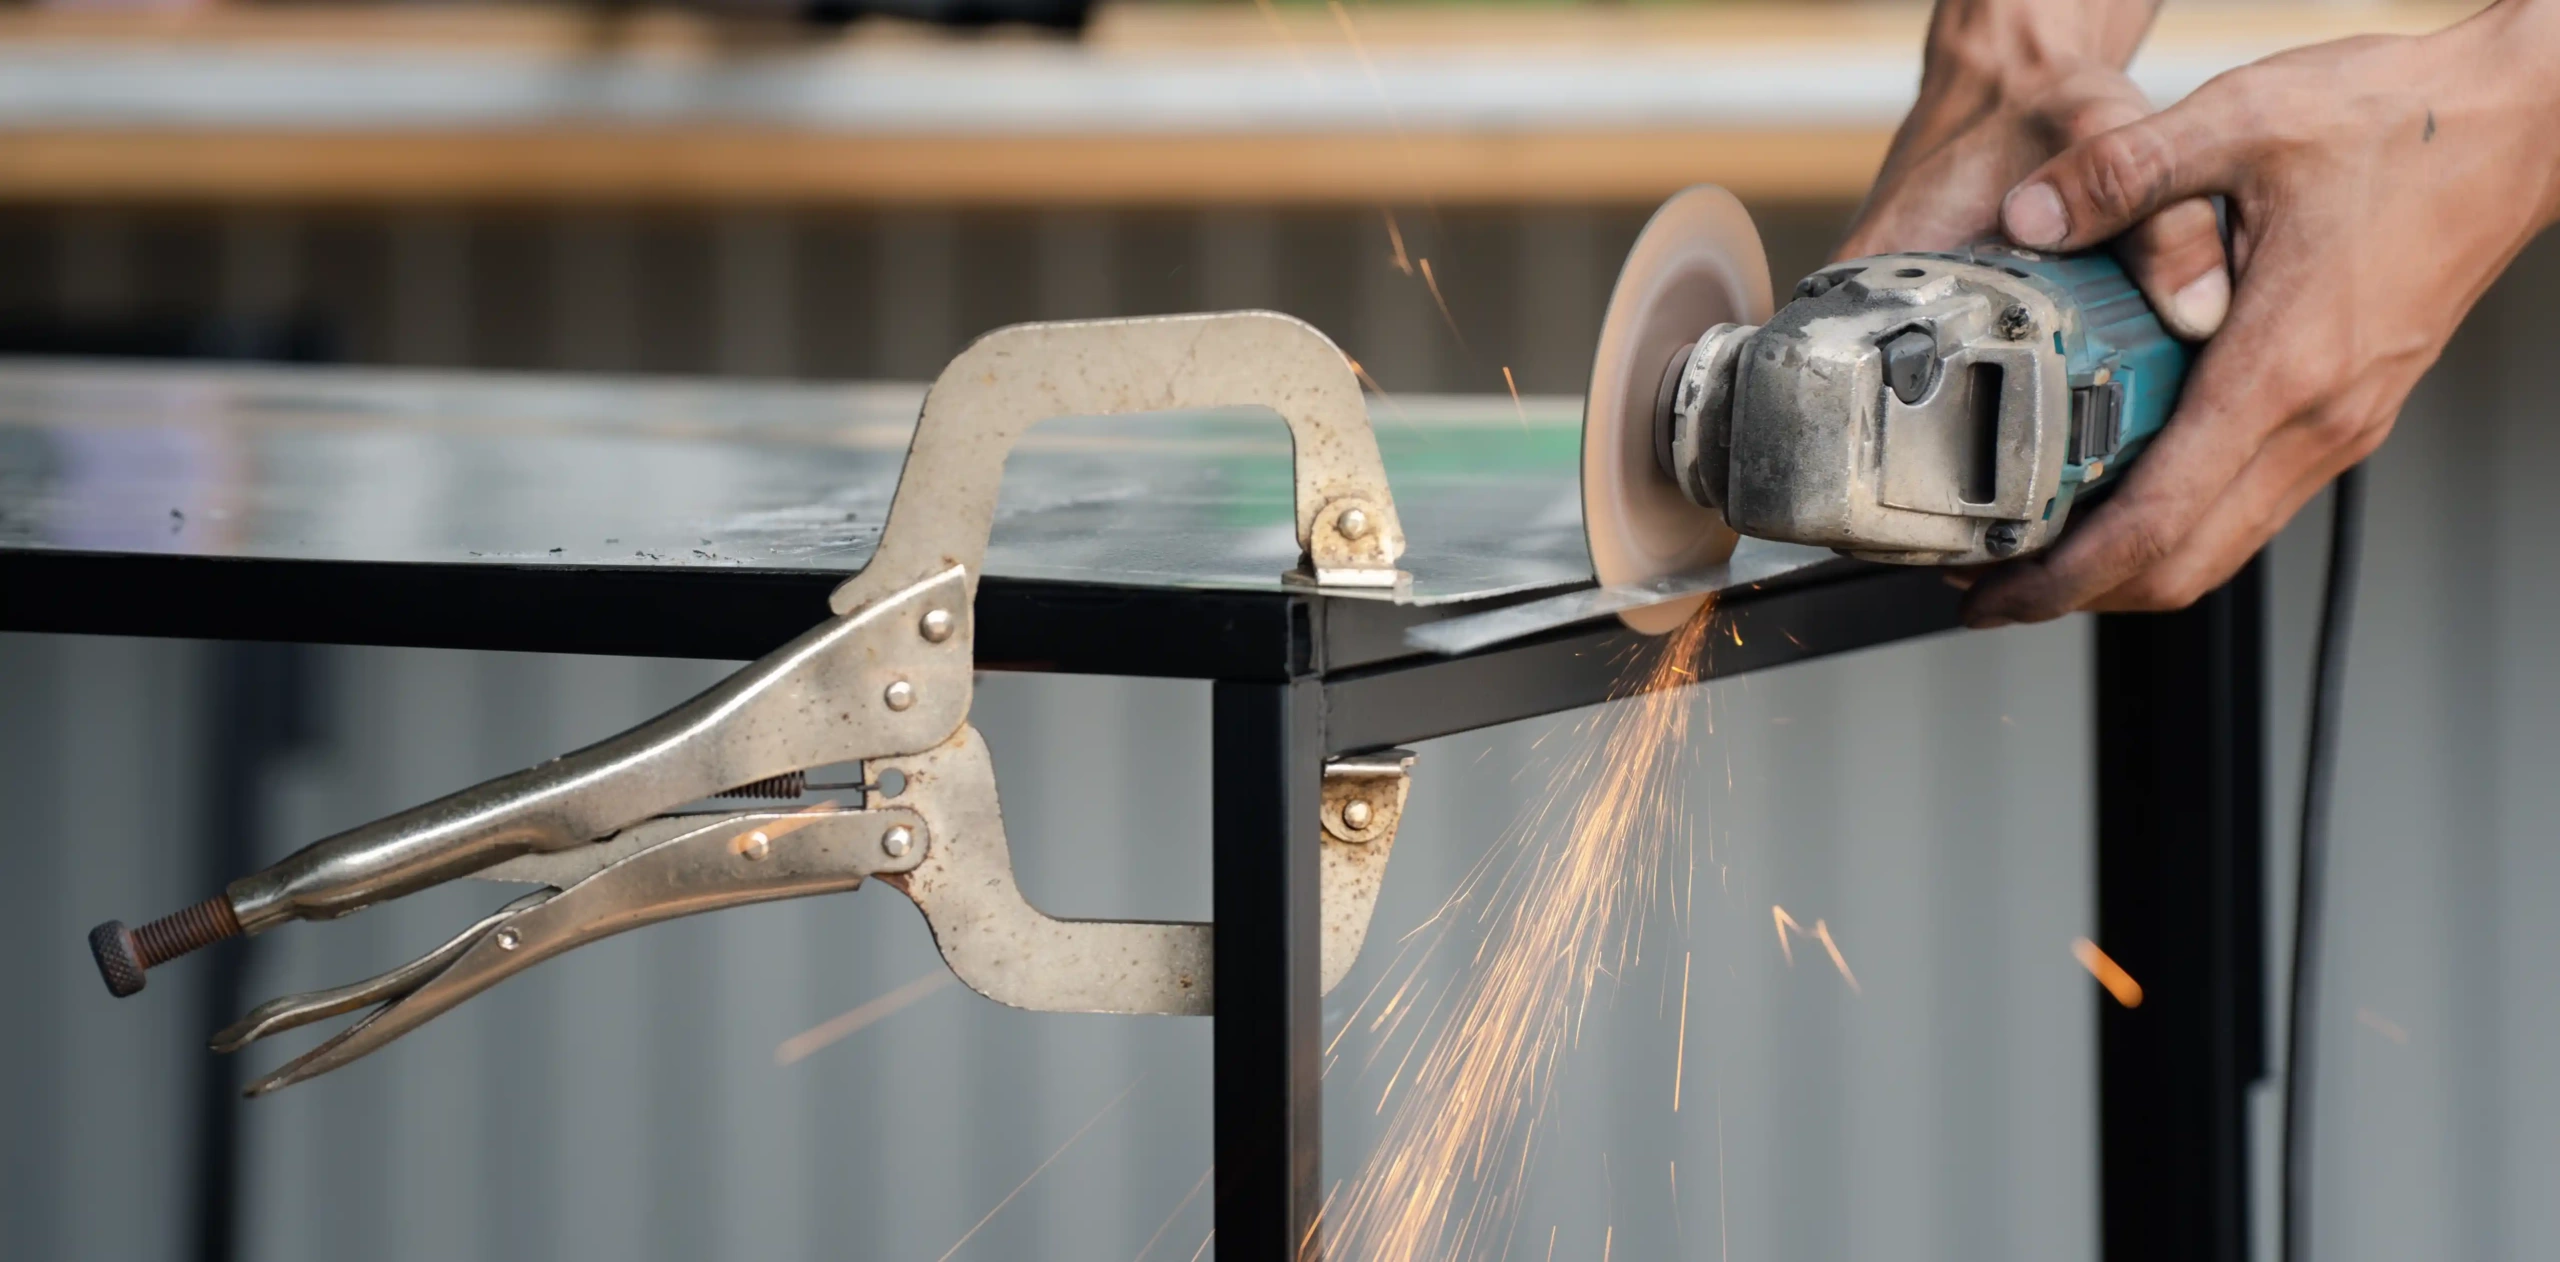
(885, 683)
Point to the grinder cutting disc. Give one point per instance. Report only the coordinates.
(1697, 264)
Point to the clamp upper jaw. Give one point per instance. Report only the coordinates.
(886, 683)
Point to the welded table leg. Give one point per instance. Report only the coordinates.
(1268, 781)
(2181, 902)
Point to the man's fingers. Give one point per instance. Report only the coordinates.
(2101, 186)
(2280, 479)
(2176, 256)
(2232, 403)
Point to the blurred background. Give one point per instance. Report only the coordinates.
(851, 193)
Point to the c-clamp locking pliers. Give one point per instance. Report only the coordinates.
(886, 682)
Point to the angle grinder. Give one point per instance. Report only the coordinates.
(1921, 409)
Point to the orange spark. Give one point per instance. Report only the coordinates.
(2382, 1025)
(799, 1046)
(1395, 238)
(1680, 1057)
(1514, 388)
(1823, 931)
(1432, 283)
(2110, 974)
(1568, 908)
(1035, 1170)
(1784, 923)
(1342, 18)
(1185, 1202)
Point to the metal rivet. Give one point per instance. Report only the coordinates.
(1354, 523)
(757, 845)
(899, 695)
(509, 939)
(897, 840)
(1356, 814)
(936, 625)
(2016, 323)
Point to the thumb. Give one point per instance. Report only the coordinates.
(2104, 185)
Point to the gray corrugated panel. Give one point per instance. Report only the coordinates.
(1927, 801)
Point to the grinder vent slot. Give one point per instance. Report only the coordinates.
(1981, 467)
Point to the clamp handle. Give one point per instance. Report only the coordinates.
(891, 675)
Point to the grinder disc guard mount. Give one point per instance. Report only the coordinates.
(1697, 264)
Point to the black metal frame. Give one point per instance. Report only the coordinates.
(1300, 675)
(2181, 781)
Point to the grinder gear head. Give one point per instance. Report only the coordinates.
(1925, 409)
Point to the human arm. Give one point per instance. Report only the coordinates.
(2376, 187)
(2006, 85)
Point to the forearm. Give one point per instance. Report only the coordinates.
(1985, 44)
(2498, 72)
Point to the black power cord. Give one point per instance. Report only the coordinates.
(2319, 773)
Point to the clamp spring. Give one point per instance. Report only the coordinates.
(789, 784)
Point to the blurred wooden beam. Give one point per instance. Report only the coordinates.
(1159, 104)
(715, 166)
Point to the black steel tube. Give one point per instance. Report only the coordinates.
(1268, 786)
(2181, 798)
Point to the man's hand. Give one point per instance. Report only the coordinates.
(2377, 186)
(2007, 86)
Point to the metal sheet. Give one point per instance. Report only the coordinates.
(1754, 561)
(674, 475)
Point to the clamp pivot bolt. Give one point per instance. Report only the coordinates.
(899, 695)
(936, 625)
(897, 841)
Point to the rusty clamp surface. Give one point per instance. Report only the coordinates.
(1017, 376)
(988, 932)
